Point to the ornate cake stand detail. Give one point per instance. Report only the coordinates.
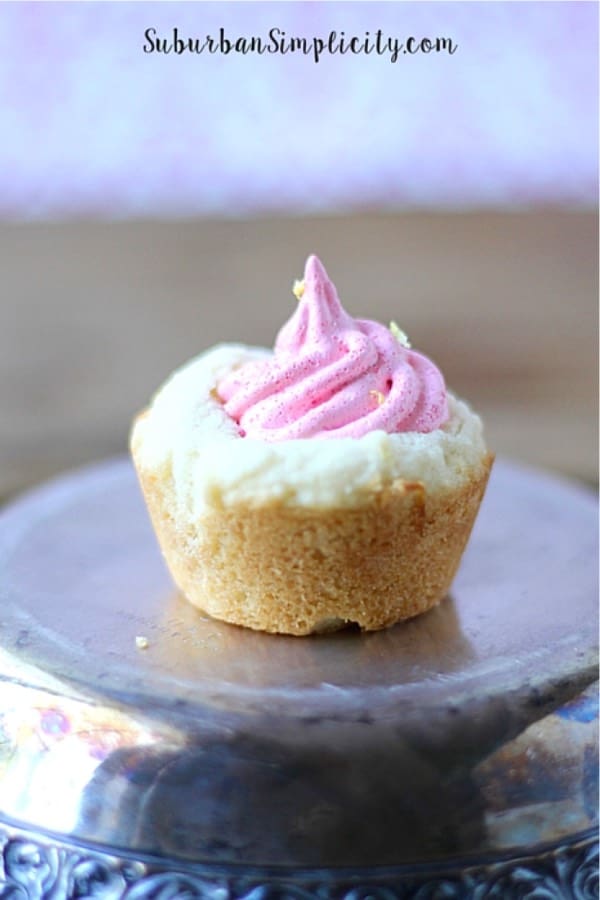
(34, 867)
(147, 751)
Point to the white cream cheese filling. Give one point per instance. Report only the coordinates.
(188, 431)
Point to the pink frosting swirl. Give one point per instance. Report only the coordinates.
(334, 376)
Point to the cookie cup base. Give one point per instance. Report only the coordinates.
(296, 570)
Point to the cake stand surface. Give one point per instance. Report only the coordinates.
(149, 751)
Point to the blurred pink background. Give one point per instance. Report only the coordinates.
(153, 205)
(91, 126)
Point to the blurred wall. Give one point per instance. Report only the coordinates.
(96, 315)
(93, 126)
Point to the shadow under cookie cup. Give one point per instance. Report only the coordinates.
(290, 568)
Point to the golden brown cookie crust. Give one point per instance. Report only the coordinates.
(296, 570)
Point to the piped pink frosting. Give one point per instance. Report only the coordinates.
(334, 376)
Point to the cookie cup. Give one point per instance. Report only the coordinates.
(304, 536)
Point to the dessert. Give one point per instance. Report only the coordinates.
(332, 481)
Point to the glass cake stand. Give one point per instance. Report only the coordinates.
(147, 751)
